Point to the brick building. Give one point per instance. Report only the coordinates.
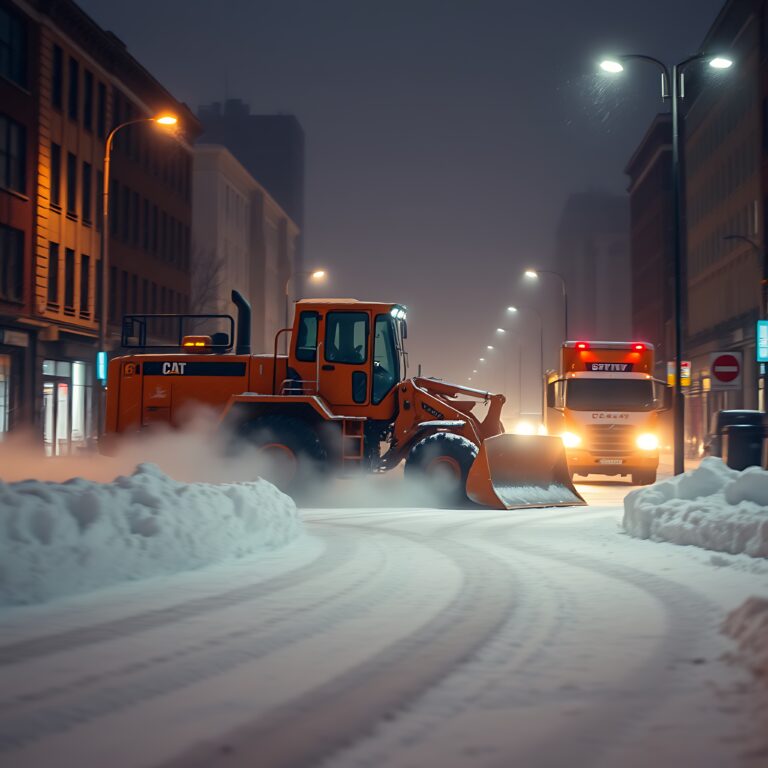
(81, 83)
(651, 240)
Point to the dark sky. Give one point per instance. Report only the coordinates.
(443, 136)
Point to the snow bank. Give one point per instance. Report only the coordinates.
(713, 507)
(748, 625)
(61, 538)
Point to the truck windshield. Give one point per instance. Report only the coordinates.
(610, 395)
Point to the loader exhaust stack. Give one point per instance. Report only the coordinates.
(243, 324)
(522, 471)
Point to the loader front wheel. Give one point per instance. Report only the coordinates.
(288, 451)
(442, 462)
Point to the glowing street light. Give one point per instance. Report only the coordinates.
(474, 370)
(501, 330)
(672, 89)
(534, 274)
(512, 309)
(489, 347)
(482, 359)
(612, 66)
(166, 119)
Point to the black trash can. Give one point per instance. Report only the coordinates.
(743, 445)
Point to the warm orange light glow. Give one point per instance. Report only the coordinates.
(166, 120)
(318, 274)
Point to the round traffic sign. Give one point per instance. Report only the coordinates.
(725, 368)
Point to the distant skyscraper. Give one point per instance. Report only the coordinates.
(592, 254)
(270, 147)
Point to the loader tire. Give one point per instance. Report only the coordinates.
(289, 453)
(442, 461)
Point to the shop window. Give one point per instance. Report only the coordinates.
(5, 395)
(13, 155)
(13, 47)
(69, 281)
(11, 264)
(101, 110)
(67, 406)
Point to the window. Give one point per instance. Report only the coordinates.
(136, 211)
(112, 293)
(386, 363)
(13, 47)
(145, 228)
(11, 263)
(610, 394)
(69, 280)
(124, 304)
(99, 199)
(154, 229)
(71, 184)
(86, 196)
(114, 207)
(55, 175)
(101, 110)
(74, 88)
(53, 274)
(346, 337)
(85, 285)
(88, 100)
(13, 155)
(99, 289)
(145, 296)
(125, 214)
(57, 77)
(306, 339)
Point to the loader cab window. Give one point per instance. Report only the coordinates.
(346, 337)
(306, 339)
(386, 363)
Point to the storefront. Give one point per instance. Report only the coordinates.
(67, 406)
(15, 353)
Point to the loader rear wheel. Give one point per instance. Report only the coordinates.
(442, 461)
(288, 450)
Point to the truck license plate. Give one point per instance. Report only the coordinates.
(610, 461)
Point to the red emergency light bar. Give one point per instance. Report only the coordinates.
(638, 347)
(582, 345)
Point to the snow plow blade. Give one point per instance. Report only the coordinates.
(522, 471)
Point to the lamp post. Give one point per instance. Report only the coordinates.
(515, 310)
(672, 90)
(316, 275)
(533, 274)
(166, 121)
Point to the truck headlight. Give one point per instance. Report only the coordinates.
(570, 440)
(647, 442)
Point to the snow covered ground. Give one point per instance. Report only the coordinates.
(401, 637)
(61, 538)
(713, 507)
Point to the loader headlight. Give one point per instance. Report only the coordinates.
(647, 442)
(570, 440)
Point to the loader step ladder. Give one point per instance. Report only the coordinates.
(352, 444)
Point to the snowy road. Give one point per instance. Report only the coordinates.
(398, 637)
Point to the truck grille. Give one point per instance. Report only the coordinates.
(610, 439)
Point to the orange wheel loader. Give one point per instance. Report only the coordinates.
(338, 401)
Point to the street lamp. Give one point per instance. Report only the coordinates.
(166, 121)
(533, 274)
(514, 311)
(672, 89)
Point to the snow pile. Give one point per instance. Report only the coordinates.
(713, 507)
(61, 538)
(748, 625)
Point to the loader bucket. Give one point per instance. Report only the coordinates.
(519, 471)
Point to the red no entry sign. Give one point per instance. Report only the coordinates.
(726, 368)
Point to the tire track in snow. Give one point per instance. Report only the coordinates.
(349, 706)
(26, 720)
(45, 645)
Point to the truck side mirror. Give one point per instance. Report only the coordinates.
(551, 394)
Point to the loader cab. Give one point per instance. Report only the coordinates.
(350, 352)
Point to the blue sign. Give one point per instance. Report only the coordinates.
(762, 341)
(101, 366)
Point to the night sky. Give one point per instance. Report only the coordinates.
(443, 137)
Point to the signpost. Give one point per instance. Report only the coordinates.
(762, 341)
(725, 369)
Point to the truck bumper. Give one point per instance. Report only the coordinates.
(586, 463)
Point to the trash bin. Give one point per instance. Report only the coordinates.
(721, 420)
(743, 445)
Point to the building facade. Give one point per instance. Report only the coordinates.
(83, 82)
(724, 126)
(241, 239)
(651, 241)
(592, 255)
